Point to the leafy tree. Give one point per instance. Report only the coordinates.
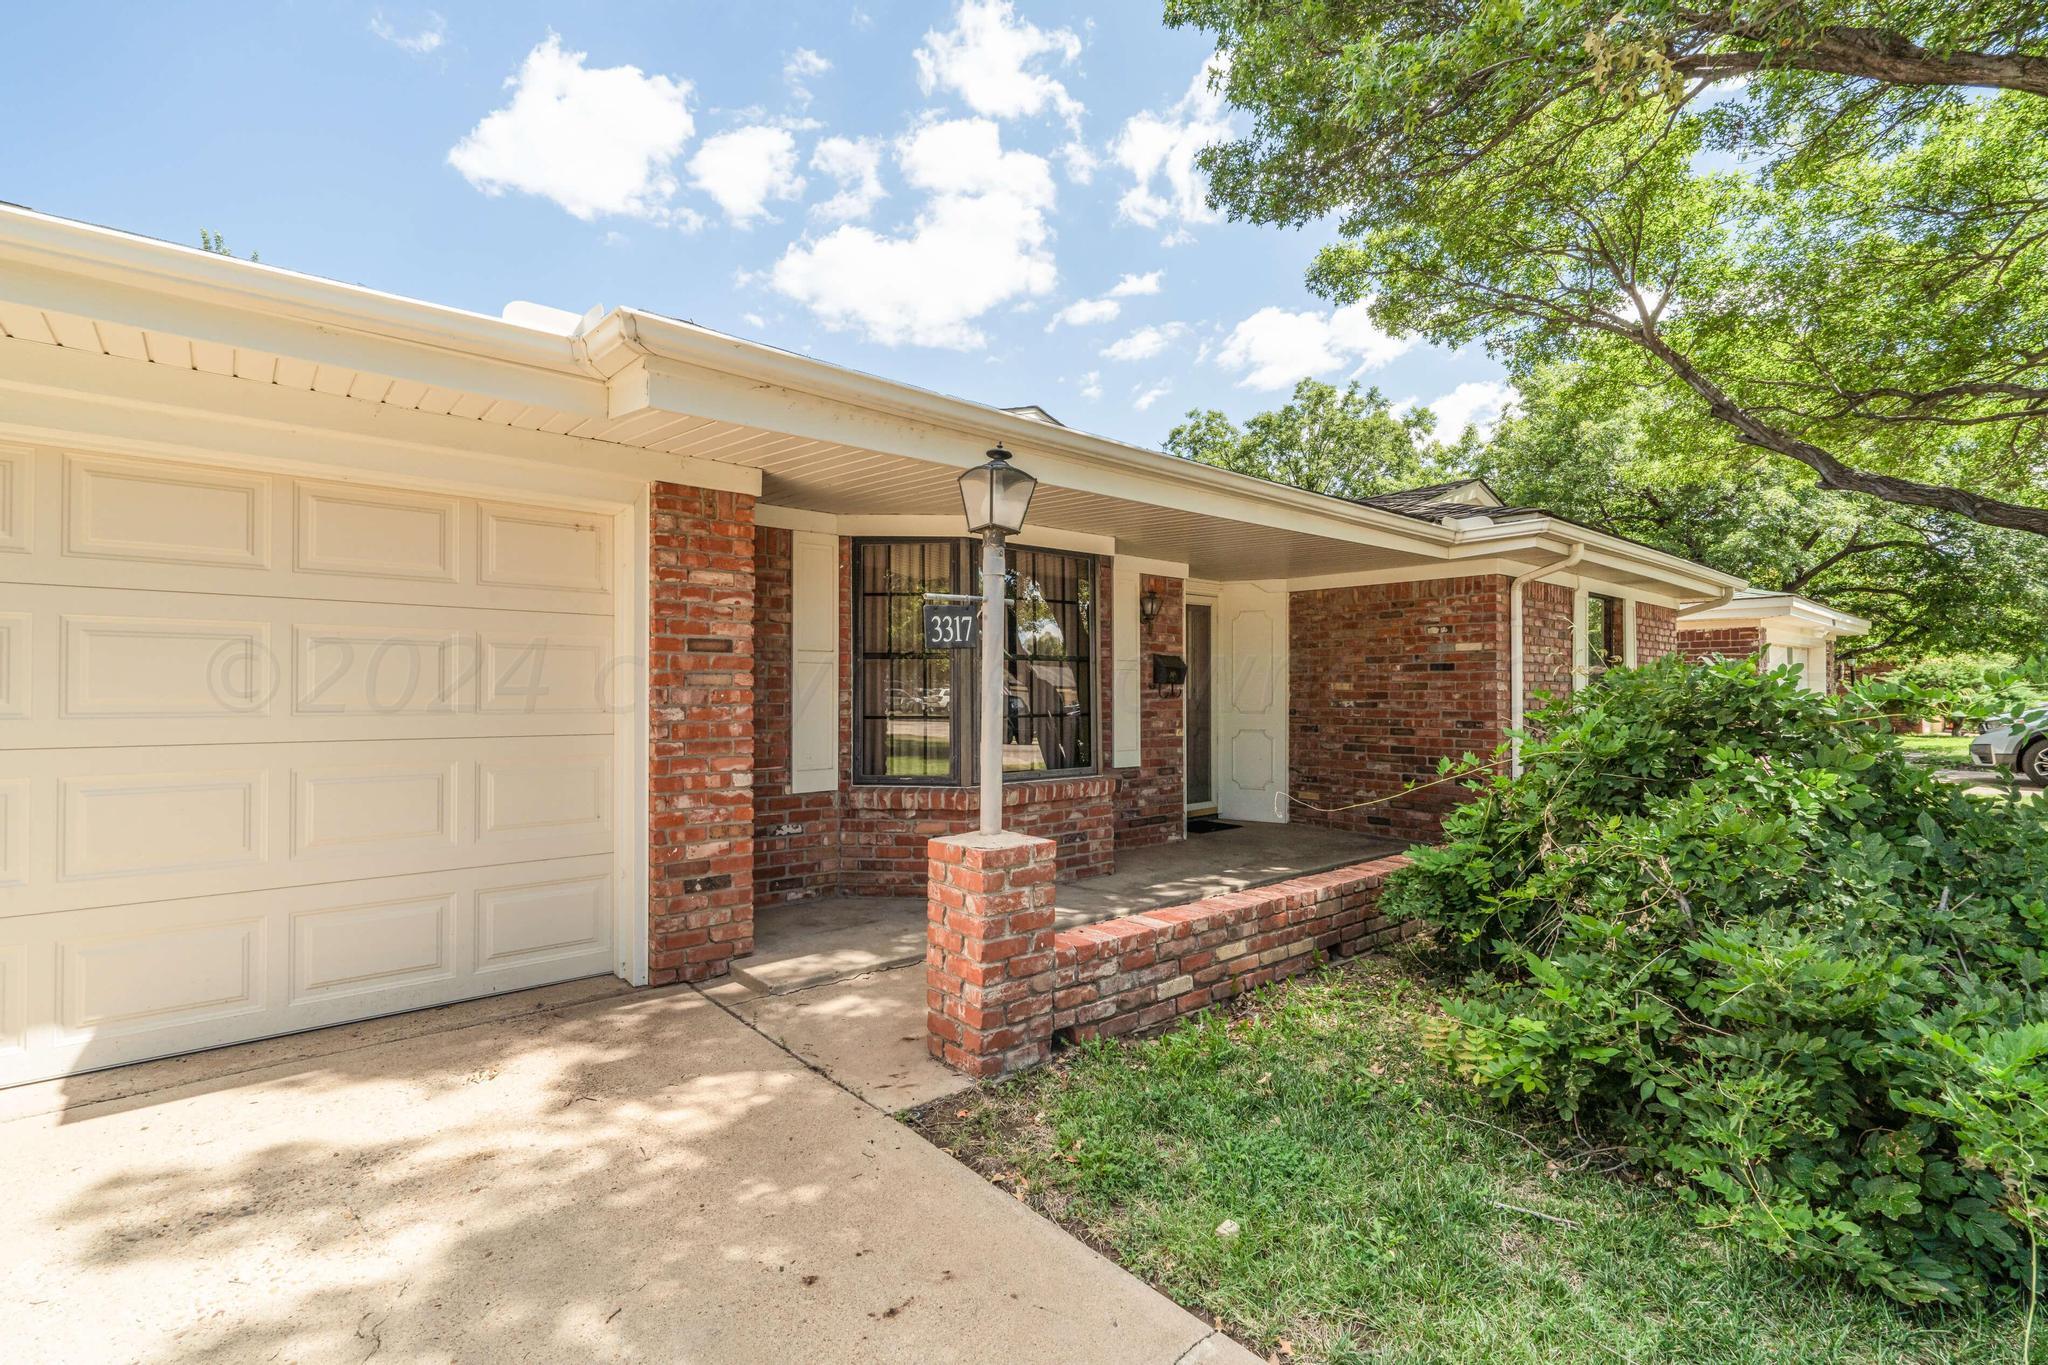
(1826, 219)
(1347, 443)
(1605, 446)
(212, 241)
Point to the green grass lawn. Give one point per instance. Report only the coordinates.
(1946, 750)
(1387, 1213)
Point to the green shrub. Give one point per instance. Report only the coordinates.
(1724, 922)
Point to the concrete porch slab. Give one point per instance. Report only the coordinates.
(867, 1033)
(1205, 865)
(812, 942)
(635, 1178)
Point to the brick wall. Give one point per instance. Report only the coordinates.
(1144, 971)
(796, 834)
(1385, 680)
(1151, 800)
(701, 730)
(1656, 632)
(1547, 643)
(1001, 984)
(884, 831)
(1727, 642)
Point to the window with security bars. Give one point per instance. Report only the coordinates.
(916, 708)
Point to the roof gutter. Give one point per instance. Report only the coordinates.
(1517, 666)
(664, 338)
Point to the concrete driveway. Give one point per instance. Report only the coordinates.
(631, 1177)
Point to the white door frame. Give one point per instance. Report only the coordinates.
(1204, 597)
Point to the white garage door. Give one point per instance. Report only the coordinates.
(277, 753)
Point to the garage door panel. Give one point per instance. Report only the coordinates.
(165, 825)
(16, 848)
(13, 1001)
(107, 986)
(93, 520)
(377, 534)
(536, 547)
(382, 670)
(193, 668)
(108, 826)
(159, 668)
(17, 474)
(376, 808)
(143, 981)
(281, 752)
(158, 513)
(358, 949)
(17, 654)
(530, 924)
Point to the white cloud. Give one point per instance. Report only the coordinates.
(856, 164)
(1476, 402)
(988, 58)
(1146, 342)
(593, 139)
(1091, 384)
(800, 67)
(1151, 395)
(1148, 283)
(754, 320)
(746, 168)
(979, 242)
(1274, 348)
(428, 38)
(1085, 313)
(1161, 147)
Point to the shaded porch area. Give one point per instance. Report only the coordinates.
(811, 943)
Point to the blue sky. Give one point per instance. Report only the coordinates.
(991, 199)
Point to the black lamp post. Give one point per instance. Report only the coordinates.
(995, 496)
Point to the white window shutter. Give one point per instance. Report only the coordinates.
(1124, 627)
(814, 662)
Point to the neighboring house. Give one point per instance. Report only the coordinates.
(1774, 628)
(359, 654)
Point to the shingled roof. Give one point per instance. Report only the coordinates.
(1441, 502)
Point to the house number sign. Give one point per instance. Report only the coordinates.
(951, 626)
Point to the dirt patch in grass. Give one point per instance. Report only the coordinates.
(1297, 1172)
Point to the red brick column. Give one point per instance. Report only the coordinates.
(700, 677)
(989, 952)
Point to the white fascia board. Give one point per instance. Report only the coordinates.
(69, 398)
(109, 276)
(1790, 611)
(694, 372)
(1684, 579)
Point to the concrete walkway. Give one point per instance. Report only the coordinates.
(628, 1177)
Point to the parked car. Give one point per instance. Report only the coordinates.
(2017, 742)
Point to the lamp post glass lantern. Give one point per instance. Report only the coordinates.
(995, 496)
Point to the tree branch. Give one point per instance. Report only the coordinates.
(1833, 473)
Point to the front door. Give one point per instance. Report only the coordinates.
(1200, 703)
(1251, 715)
